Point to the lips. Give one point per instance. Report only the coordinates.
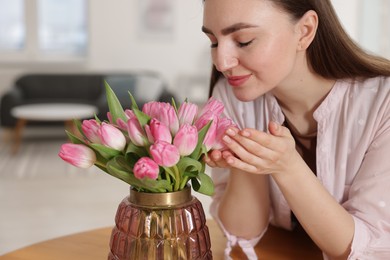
(237, 81)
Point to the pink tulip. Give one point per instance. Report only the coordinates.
(122, 124)
(223, 124)
(90, 128)
(187, 112)
(213, 105)
(136, 133)
(129, 113)
(109, 116)
(152, 109)
(186, 139)
(164, 112)
(210, 138)
(146, 167)
(205, 119)
(157, 131)
(78, 155)
(164, 154)
(112, 137)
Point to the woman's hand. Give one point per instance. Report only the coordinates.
(216, 158)
(257, 152)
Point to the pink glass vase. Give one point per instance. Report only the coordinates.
(160, 226)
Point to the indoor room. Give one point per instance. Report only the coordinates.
(64, 52)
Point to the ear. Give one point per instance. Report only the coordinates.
(307, 29)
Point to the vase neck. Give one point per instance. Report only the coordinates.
(166, 199)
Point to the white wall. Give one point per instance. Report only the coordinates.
(348, 11)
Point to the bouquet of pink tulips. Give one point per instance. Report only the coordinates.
(156, 149)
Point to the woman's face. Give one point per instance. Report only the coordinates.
(253, 43)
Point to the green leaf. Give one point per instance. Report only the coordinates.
(187, 162)
(201, 135)
(203, 184)
(114, 105)
(138, 150)
(123, 162)
(190, 175)
(143, 118)
(133, 102)
(97, 119)
(175, 106)
(74, 139)
(77, 123)
(105, 151)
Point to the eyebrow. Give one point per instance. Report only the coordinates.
(230, 29)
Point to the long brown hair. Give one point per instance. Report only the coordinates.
(332, 54)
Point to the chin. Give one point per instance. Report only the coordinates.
(245, 96)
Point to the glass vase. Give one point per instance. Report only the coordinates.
(160, 226)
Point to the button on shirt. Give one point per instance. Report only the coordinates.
(353, 158)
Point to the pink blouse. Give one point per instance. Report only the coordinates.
(353, 159)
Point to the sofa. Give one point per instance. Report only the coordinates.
(83, 89)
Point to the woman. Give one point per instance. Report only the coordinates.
(314, 114)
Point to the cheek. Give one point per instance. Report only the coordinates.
(275, 58)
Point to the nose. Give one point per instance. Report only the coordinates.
(224, 59)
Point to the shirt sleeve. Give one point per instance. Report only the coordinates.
(220, 176)
(369, 198)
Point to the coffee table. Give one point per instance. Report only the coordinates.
(65, 112)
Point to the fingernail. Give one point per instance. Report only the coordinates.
(230, 132)
(226, 139)
(245, 133)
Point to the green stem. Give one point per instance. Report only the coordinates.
(169, 179)
(183, 182)
(177, 178)
(101, 164)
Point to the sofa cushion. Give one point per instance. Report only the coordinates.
(64, 86)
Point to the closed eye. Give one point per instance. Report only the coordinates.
(244, 44)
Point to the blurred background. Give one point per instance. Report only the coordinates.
(40, 196)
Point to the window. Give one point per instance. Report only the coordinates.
(34, 30)
(12, 29)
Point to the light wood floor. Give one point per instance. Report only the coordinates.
(42, 197)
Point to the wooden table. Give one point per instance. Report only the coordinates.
(277, 244)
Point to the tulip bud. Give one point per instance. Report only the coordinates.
(186, 139)
(164, 112)
(205, 119)
(209, 139)
(169, 117)
(90, 129)
(164, 154)
(146, 167)
(152, 109)
(159, 131)
(78, 155)
(213, 105)
(187, 112)
(129, 113)
(112, 137)
(136, 133)
(223, 124)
